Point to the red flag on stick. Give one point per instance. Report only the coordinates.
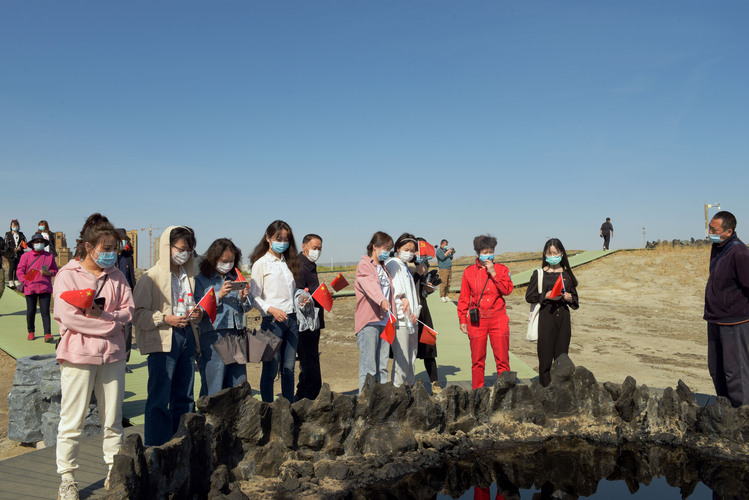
(323, 297)
(558, 287)
(426, 249)
(24, 245)
(240, 277)
(79, 298)
(339, 283)
(209, 304)
(428, 336)
(32, 274)
(388, 334)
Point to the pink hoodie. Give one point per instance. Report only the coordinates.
(92, 341)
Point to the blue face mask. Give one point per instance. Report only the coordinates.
(554, 259)
(42, 228)
(38, 247)
(106, 259)
(486, 256)
(14, 229)
(714, 238)
(279, 247)
(384, 255)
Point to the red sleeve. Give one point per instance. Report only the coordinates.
(502, 280)
(465, 295)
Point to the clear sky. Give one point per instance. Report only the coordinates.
(525, 120)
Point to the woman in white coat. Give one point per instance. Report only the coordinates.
(407, 309)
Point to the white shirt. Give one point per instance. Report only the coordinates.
(272, 284)
(46, 236)
(403, 287)
(385, 286)
(180, 288)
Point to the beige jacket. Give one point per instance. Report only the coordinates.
(153, 300)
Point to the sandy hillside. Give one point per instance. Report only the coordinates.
(640, 314)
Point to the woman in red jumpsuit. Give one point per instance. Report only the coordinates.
(483, 286)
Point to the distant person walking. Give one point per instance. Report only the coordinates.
(308, 350)
(607, 232)
(275, 267)
(445, 264)
(92, 347)
(374, 300)
(15, 246)
(35, 271)
(554, 326)
(727, 311)
(481, 309)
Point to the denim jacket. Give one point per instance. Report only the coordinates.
(231, 310)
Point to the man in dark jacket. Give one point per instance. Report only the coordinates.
(126, 264)
(607, 232)
(310, 379)
(727, 311)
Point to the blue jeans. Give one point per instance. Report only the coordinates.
(288, 331)
(374, 354)
(171, 376)
(214, 374)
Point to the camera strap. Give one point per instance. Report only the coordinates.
(478, 304)
(99, 289)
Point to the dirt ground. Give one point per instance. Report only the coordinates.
(640, 314)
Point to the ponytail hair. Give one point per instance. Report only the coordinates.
(96, 228)
(380, 239)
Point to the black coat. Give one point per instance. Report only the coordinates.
(308, 279)
(10, 245)
(424, 350)
(127, 266)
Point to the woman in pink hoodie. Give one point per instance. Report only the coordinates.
(35, 271)
(92, 351)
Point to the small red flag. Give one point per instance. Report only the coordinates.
(426, 249)
(339, 283)
(428, 336)
(388, 334)
(24, 245)
(209, 305)
(323, 297)
(240, 277)
(558, 287)
(32, 274)
(79, 298)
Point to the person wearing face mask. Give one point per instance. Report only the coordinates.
(35, 271)
(126, 264)
(166, 336)
(275, 267)
(554, 326)
(445, 257)
(375, 300)
(218, 269)
(15, 247)
(91, 351)
(407, 309)
(308, 350)
(727, 310)
(481, 309)
(43, 227)
(424, 287)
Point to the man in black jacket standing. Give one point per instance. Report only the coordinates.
(607, 232)
(126, 264)
(308, 349)
(727, 311)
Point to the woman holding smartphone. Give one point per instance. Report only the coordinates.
(272, 286)
(218, 270)
(554, 326)
(91, 352)
(481, 309)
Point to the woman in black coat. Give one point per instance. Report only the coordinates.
(15, 246)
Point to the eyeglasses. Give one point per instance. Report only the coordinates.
(181, 249)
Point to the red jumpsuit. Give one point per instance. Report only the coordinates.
(493, 321)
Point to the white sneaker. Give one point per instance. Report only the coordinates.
(68, 490)
(444, 299)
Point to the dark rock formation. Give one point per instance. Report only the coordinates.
(340, 443)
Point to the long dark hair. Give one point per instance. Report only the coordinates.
(214, 252)
(380, 239)
(275, 227)
(45, 224)
(565, 263)
(96, 228)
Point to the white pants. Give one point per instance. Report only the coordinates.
(108, 383)
(404, 355)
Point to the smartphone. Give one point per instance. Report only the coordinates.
(239, 285)
(100, 302)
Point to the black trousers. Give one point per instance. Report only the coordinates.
(12, 266)
(128, 339)
(728, 361)
(308, 352)
(44, 300)
(606, 240)
(554, 333)
(430, 365)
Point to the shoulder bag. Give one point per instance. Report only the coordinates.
(532, 333)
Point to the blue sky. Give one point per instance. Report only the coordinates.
(525, 120)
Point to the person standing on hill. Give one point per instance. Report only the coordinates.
(308, 350)
(727, 311)
(445, 264)
(607, 232)
(35, 270)
(15, 246)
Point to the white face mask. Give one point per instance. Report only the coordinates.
(224, 267)
(180, 258)
(313, 255)
(406, 256)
